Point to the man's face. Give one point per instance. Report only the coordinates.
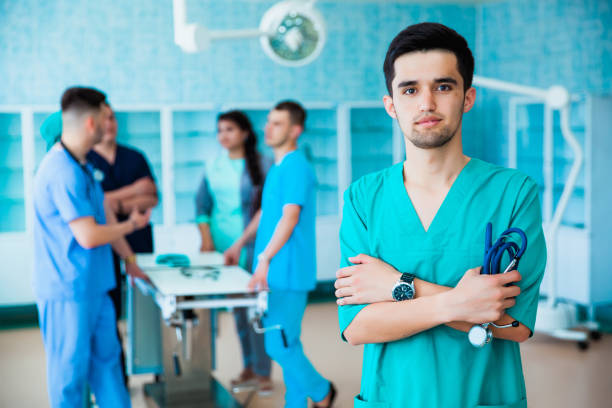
(279, 129)
(428, 99)
(101, 119)
(110, 127)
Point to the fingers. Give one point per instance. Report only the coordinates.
(473, 271)
(345, 272)
(508, 303)
(341, 283)
(361, 258)
(508, 277)
(349, 300)
(511, 291)
(342, 292)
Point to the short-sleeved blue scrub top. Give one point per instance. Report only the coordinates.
(292, 181)
(63, 269)
(439, 368)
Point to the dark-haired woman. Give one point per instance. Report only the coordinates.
(228, 197)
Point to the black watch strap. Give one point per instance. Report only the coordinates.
(407, 277)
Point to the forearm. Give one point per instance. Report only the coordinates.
(141, 202)
(205, 236)
(122, 248)
(144, 185)
(518, 334)
(389, 321)
(250, 231)
(94, 235)
(281, 234)
(120, 245)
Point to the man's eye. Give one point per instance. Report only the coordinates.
(444, 87)
(410, 91)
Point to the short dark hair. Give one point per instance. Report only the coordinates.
(426, 37)
(297, 114)
(81, 99)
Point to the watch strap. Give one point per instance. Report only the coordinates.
(407, 277)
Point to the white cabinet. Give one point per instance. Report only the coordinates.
(340, 140)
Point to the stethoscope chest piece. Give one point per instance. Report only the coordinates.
(479, 335)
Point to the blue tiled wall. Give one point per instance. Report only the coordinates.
(540, 43)
(126, 48)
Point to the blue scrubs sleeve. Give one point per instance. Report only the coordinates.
(527, 216)
(353, 241)
(298, 183)
(71, 194)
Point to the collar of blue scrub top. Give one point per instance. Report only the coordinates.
(283, 158)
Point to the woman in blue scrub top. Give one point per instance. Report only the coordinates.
(228, 197)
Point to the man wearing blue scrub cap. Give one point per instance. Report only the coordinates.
(73, 270)
(51, 129)
(286, 258)
(420, 225)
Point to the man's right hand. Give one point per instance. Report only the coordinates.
(482, 298)
(139, 220)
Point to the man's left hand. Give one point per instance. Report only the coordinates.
(369, 280)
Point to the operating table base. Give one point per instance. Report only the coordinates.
(215, 396)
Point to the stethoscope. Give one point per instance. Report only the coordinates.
(90, 178)
(481, 334)
(97, 175)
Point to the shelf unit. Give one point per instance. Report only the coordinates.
(582, 250)
(177, 140)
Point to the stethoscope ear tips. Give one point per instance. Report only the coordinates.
(480, 335)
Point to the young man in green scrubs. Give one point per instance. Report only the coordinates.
(423, 222)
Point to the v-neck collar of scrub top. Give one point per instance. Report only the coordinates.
(445, 213)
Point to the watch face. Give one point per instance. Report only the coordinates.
(403, 291)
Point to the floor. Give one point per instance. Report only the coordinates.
(557, 373)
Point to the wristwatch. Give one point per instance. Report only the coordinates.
(404, 288)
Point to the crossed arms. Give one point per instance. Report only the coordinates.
(476, 299)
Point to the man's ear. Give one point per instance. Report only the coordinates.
(296, 131)
(90, 123)
(389, 106)
(469, 100)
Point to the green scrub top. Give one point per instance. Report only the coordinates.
(225, 219)
(439, 367)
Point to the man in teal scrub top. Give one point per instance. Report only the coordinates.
(286, 258)
(423, 222)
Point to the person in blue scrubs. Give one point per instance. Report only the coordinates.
(228, 198)
(286, 258)
(73, 270)
(128, 183)
(422, 223)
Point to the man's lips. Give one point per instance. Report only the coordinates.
(428, 121)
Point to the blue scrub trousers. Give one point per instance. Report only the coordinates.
(301, 379)
(82, 348)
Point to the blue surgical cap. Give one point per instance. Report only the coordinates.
(51, 129)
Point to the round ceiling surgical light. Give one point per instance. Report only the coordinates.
(291, 32)
(295, 33)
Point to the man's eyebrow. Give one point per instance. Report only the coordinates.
(446, 80)
(406, 83)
